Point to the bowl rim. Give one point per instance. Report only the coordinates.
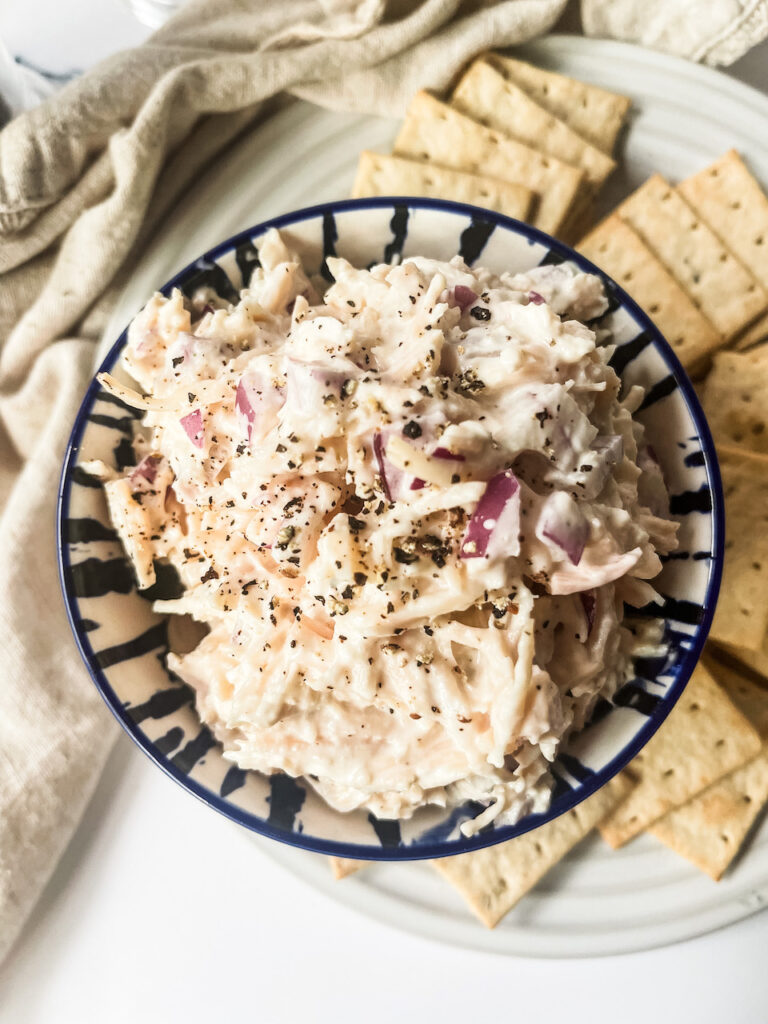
(586, 787)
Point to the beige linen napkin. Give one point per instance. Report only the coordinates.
(712, 31)
(85, 180)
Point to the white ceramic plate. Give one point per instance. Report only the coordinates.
(596, 902)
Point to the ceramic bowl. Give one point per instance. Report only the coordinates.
(123, 643)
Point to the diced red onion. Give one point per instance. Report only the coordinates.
(146, 469)
(562, 522)
(417, 483)
(589, 604)
(258, 401)
(193, 427)
(449, 456)
(494, 529)
(309, 383)
(463, 297)
(535, 298)
(611, 446)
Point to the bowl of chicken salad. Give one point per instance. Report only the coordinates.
(376, 530)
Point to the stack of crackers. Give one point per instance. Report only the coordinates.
(527, 143)
(538, 146)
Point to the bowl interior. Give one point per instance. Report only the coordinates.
(124, 643)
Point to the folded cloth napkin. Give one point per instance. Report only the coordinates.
(84, 179)
(712, 31)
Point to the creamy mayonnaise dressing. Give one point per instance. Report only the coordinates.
(409, 511)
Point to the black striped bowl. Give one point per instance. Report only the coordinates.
(123, 643)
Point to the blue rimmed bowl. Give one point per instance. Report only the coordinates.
(124, 644)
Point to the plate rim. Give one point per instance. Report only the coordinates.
(599, 777)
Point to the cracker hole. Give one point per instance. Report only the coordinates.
(544, 89)
(752, 287)
(757, 566)
(628, 276)
(736, 204)
(694, 706)
(484, 194)
(747, 799)
(759, 240)
(666, 197)
(654, 308)
(545, 163)
(725, 838)
(720, 743)
(667, 773)
(538, 848)
(723, 257)
(633, 819)
(758, 428)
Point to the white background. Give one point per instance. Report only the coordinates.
(163, 911)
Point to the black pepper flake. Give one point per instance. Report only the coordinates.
(405, 557)
(360, 578)
(191, 396)
(543, 416)
(390, 607)
(412, 429)
(210, 575)
(348, 592)
(281, 448)
(428, 630)
(177, 360)
(479, 313)
(356, 525)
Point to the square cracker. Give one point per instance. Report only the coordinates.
(622, 254)
(704, 738)
(741, 616)
(487, 96)
(733, 204)
(754, 335)
(493, 880)
(734, 398)
(710, 830)
(597, 115)
(379, 175)
(720, 285)
(343, 866)
(437, 133)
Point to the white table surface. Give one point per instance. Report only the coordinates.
(163, 911)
